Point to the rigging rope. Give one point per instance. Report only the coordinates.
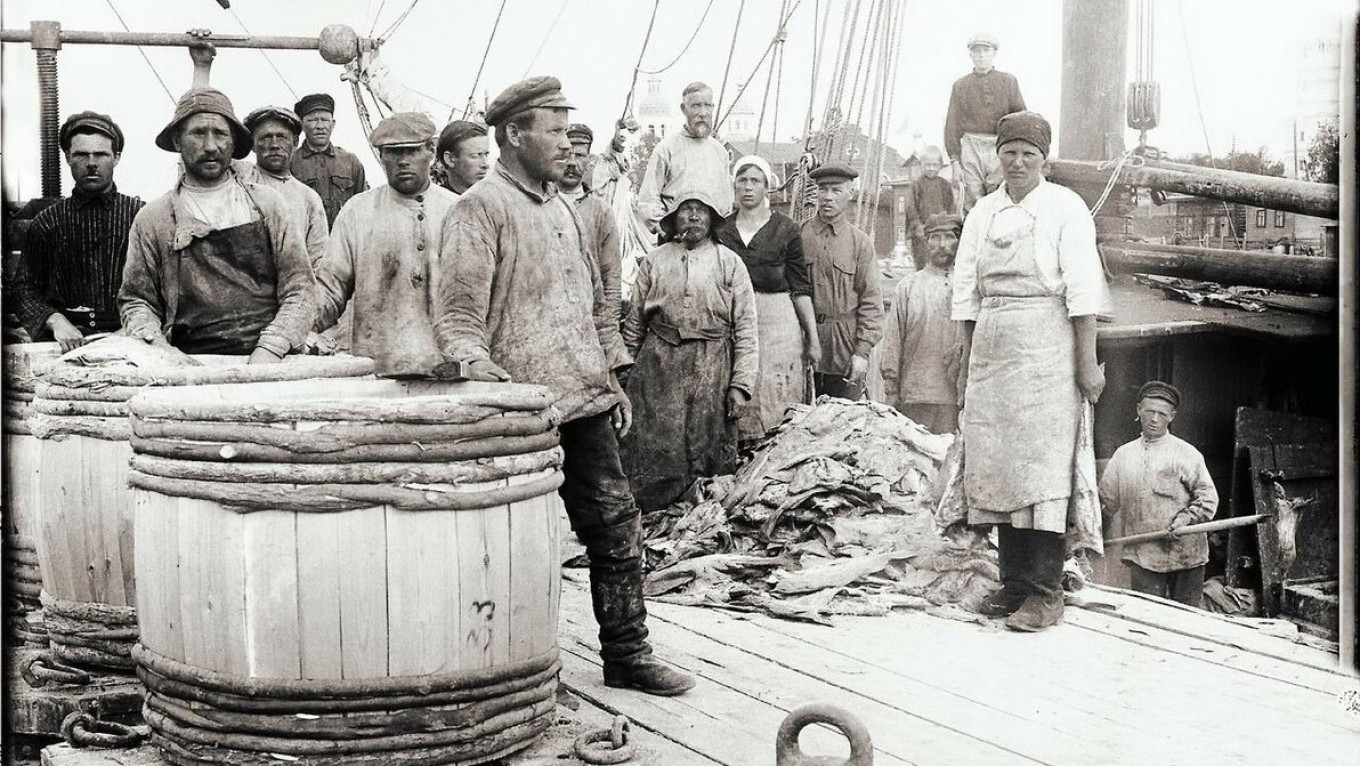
(782, 22)
(684, 50)
(376, 16)
(268, 59)
(769, 78)
(145, 58)
(731, 49)
(546, 35)
(382, 38)
(1199, 107)
(646, 40)
(472, 93)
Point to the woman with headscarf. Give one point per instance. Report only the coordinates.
(1028, 285)
(769, 244)
(691, 327)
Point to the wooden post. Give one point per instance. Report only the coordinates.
(1091, 124)
(1231, 267)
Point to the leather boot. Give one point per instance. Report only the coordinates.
(1043, 608)
(649, 675)
(1009, 560)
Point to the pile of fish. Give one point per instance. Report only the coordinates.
(833, 514)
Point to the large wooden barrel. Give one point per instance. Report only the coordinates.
(377, 554)
(85, 536)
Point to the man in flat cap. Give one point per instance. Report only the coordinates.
(922, 346)
(274, 132)
(976, 102)
(521, 299)
(602, 235)
(1159, 482)
(383, 258)
(461, 155)
(689, 160)
(66, 284)
(845, 291)
(332, 172)
(217, 265)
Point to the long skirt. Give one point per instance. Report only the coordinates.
(680, 426)
(782, 380)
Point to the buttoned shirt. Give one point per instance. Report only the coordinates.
(74, 258)
(520, 287)
(305, 203)
(845, 292)
(602, 236)
(333, 173)
(167, 225)
(383, 259)
(976, 102)
(681, 163)
(1064, 249)
(922, 346)
(1147, 484)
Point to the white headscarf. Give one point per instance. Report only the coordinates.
(771, 180)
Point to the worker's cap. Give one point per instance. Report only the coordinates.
(90, 122)
(206, 101)
(313, 102)
(833, 173)
(457, 132)
(533, 93)
(580, 133)
(403, 129)
(667, 223)
(1030, 127)
(943, 222)
(759, 163)
(278, 113)
(983, 38)
(1156, 389)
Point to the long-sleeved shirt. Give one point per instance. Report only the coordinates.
(304, 201)
(1064, 250)
(922, 346)
(1149, 483)
(682, 163)
(166, 225)
(333, 173)
(74, 257)
(699, 294)
(928, 197)
(976, 102)
(845, 291)
(384, 260)
(602, 237)
(520, 287)
(774, 256)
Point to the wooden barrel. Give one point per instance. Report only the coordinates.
(21, 491)
(380, 555)
(85, 537)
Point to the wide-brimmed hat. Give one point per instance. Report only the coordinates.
(667, 223)
(210, 101)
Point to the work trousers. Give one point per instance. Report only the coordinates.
(1183, 585)
(604, 517)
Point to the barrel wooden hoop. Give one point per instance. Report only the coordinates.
(68, 407)
(58, 426)
(23, 397)
(90, 634)
(23, 361)
(448, 409)
(247, 452)
(16, 416)
(105, 394)
(467, 471)
(293, 369)
(322, 498)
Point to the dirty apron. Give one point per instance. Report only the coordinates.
(982, 172)
(678, 387)
(223, 290)
(783, 378)
(1022, 407)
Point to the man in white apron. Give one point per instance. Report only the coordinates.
(1028, 285)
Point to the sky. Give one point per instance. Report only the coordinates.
(1245, 56)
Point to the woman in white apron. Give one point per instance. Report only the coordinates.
(1028, 286)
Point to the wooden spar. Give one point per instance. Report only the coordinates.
(271, 42)
(1230, 267)
(1091, 123)
(1301, 197)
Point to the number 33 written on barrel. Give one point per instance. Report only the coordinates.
(480, 635)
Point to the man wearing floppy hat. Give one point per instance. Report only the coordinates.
(1159, 482)
(383, 258)
(332, 172)
(976, 102)
(274, 133)
(521, 298)
(217, 265)
(602, 235)
(66, 284)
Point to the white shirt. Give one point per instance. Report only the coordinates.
(219, 207)
(682, 163)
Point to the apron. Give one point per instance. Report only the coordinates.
(782, 380)
(223, 292)
(1023, 407)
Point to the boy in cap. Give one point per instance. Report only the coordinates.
(384, 254)
(845, 291)
(66, 284)
(274, 132)
(930, 195)
(922, 346)
(976, 102)
(461, 155)
(521, 299)
(217, 265)
(1159, 482)
(332, 172)
(602, 235)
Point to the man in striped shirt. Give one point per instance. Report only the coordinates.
(66, 286)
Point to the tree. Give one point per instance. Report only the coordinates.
(1256, 163)
(1324, 155)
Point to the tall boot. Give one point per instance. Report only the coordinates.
(1043, 575)
(1010, 561)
